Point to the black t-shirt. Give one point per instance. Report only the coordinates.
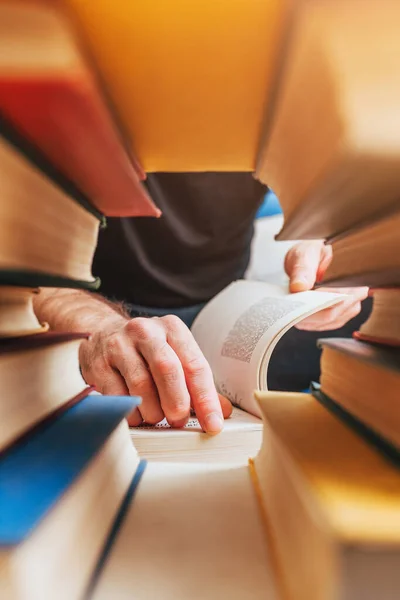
(198, 246)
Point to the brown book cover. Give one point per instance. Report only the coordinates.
(31, 342)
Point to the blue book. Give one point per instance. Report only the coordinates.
(35, 473)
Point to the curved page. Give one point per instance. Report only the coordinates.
(239, 328)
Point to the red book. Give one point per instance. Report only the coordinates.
(51, 96)
(373, 339)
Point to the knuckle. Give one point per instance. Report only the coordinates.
(168, 370)
(172, 322)
(141, 384)
(140, 328)
(97, 366)
(197, 367)
(179, 409)
(115, 345)
(202, 399)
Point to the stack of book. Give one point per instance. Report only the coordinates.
(66, 459)
(316, 515)
(67, 463)
(333, 157)
(51, 93)
(319, 507)
(332, 154)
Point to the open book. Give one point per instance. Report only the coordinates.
(239, 329)
(190, 444)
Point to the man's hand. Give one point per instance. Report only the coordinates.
(159, 360)
(305, 264)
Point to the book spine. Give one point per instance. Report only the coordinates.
(385, 448)
(115, 529)
(20, 278)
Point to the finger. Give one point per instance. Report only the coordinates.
(325, 260)
(327, 319)
(198, 375)
(226, 406)
(338, 323)
(113, 384)
(135, 418)
(301, 265)
(331, 320)
(140, 383)
(165, 368)
(358, 293)
(326, 316)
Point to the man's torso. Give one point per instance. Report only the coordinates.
(198, 246)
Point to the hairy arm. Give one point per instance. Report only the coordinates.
(157, 359)
(76, 310)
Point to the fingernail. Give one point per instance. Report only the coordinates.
(300, 283)
(214, 423)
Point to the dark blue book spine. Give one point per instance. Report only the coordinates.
(115, 529)
(385, 448)
(35, 473)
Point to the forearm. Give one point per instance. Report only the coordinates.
(76, 310)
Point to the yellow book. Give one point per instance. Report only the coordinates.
(331, 504)
(190, 80)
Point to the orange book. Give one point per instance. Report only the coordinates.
(51, 96)
(191, 78)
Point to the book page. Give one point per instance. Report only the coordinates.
(239, 328)
(192, 532)
(239, 420)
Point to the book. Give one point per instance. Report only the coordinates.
(191, 531)
(49, 92)
(17, 317)
(188, 94)
(58, 501)
(383, 324)
(331, 504)
(366, 256)
(364, 380)
(240, 438)
(314, 516)
(39, 375)
(332, 149)
(44, 230)
(238, 330)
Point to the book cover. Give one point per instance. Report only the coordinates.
(47, 111)
(36, 157)
(377, 441)
(384, 357)
(25, 278)
(35, 473)
(49, 338)
(373, 339)
(196, 101)
(53, 95)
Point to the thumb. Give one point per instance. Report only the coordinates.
(301, 264)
